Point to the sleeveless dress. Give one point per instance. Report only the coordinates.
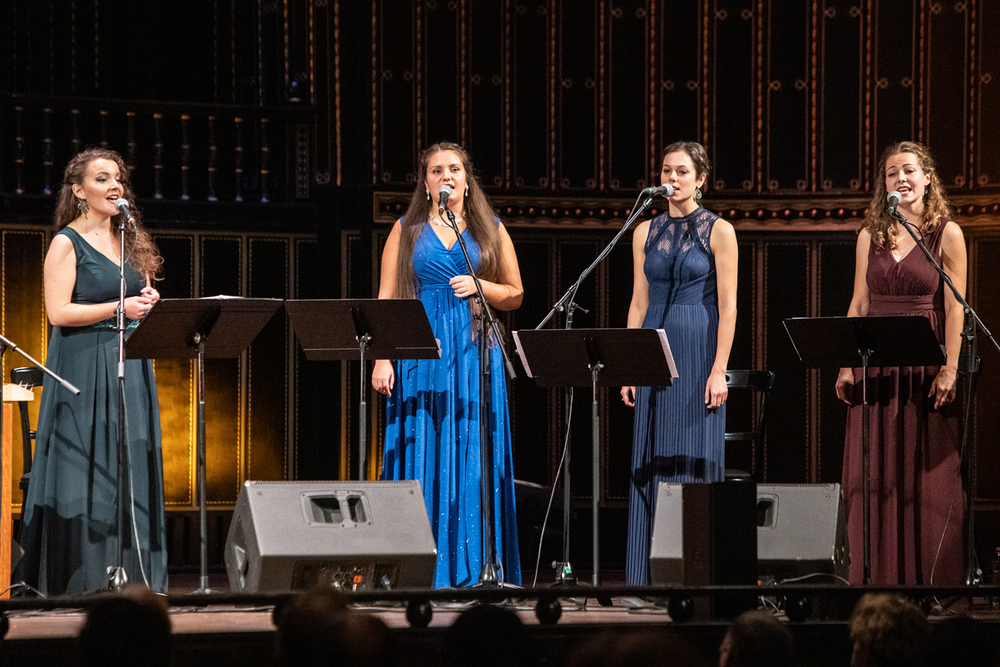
(70, 521)
(676, 438)
(432, 425)
(916, 486)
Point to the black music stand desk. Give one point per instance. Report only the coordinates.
(879, 342)
(207, 328)
(596, 358)
(330, 329)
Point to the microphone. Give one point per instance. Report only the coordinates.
(443, 193)
(894, 199)
(660, 191)
(121, 205)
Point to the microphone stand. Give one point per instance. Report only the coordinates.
(488, 574)
(7, 343)
(971, 367)
(564, 571)
(117, 577)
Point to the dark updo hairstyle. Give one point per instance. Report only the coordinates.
(695, 151)
(140, 250)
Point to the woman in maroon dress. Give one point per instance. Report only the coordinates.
(917, 500)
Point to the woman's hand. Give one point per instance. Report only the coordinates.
(383, 376)
(464, 286)
(845, 385)
(716, 390)
(628, 396)
(943, 387)
(137, 307)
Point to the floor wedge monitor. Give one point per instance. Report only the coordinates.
(801, 530)
(353, 536)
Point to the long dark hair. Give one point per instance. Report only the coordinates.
(478, 215)
(882, 226)
(139, 247)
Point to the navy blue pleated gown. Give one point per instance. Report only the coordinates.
(676, 438)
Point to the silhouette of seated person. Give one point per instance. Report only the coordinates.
(128, 628)
(757, 639)
(884, 629)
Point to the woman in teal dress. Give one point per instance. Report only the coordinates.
(432, 413)
(684, 282)
(70, 521)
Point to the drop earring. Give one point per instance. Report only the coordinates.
(697, 194)
(466, 189)
(428, 194)
(81, 206)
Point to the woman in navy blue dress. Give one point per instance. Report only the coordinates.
(432, 414)
(684, 283)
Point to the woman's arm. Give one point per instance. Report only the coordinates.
(640, 293)
(726, 251)
(383, 375)
(860, 301)
(507, 293)
(60, 277)
(953, 261)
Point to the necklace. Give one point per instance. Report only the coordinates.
(440, 223)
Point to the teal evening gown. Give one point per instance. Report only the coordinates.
(432, 431)
(70, 522)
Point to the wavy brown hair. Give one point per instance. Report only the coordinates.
(140, 250)
(882, 226)
(478, 215)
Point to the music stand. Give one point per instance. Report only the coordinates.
(206, 328)
(879, 342)
(331, 329)
(596, 358)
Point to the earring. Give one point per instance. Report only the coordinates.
(697, 194)
(428, 194)
(81, 205)
(466, 189)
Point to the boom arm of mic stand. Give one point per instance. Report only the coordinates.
(945, 277)
(491, 322)
(6, 342)
(563, 303)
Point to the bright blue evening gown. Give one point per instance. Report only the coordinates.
(676, 438)
(432, 431)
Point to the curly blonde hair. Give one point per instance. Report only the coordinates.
(882, 226)
(140, 250)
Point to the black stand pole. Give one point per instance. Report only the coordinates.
(117, 576)
(488, 574)
(564, 570)
(973, 574)
(596, 357)
(216, 327)
(347, 329)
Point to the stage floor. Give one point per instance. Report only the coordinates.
(228, 634)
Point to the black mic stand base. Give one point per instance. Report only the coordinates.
(117, 579)
(564, 574)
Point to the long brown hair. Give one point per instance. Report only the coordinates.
(478, 215)
(882, 226)
(140, 250)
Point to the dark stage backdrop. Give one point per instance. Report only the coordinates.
(271, 145)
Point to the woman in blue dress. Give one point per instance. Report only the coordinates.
(684, 283)
(70, 534)
(432, 414)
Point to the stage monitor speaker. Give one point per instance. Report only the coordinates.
(704, 534)
(801, 530)
(354, 536)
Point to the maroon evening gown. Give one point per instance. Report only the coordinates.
(917, 499)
